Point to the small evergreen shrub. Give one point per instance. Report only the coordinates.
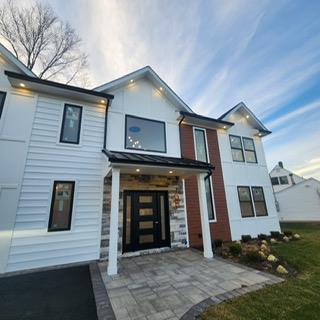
(262, 236)
(218, 243)
(246, 238)
(276, 235)
(235, 249)
(252, 256)
(288, 233)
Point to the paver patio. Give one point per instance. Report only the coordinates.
(167, 285)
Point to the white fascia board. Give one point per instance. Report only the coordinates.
(150, 74)
(15, 61)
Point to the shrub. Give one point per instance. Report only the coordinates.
(288, 233)
(246, 237)
(276, 235)
(253, 256)
(218, 243)
(262, 236)
(235, 249)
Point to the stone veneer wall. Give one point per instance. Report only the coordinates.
(142, 182)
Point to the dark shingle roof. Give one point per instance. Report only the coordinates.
(148, 159)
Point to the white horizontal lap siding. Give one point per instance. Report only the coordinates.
(48, 160)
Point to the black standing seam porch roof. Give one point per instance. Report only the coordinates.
(155, 160)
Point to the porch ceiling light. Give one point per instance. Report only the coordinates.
(224, 127)
(170, 171)
(131, 81)
(137, 170)
(161, 88)
(260, 134)
(22, 85)
(102, 101)
(247, 116)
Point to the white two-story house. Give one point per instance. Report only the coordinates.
(122, 169)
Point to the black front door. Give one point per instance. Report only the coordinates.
(145, 220)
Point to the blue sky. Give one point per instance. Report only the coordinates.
(215, 54)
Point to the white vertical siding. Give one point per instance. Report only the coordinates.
(48, 160)
(246, 174)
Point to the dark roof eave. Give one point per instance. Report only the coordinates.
(199, 165)
(50, 83)
(194, 115)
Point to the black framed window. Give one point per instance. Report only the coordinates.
(245, 202)
(71, 124)
(2, 100)
(209, 198)
(249, 150)
(274, 181)
(236, 148)
(259, 201)
(284, 180)
(200, 143)
(145, 134)
(61, 206)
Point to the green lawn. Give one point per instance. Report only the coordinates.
(296, 298)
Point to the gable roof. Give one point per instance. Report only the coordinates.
(253, 120)
(150, 74)
(298, 184)
(15, 61)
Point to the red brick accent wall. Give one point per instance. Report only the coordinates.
(221, 228)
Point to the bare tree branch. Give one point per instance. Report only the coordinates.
(48, 46)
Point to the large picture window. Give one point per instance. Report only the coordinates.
(236, 148)
(245, 202)
(61, 206)
(71, 124)
(249, 149)
(259, 201)
(2, 99)
(145, 134)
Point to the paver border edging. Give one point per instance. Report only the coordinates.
(197, 309)
(103, 305)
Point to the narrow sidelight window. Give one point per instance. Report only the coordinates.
(236, 148)
(274, 181)
(61, 206)
(2, 99)
(200, 142)
(259, 201)
(71, 124)
(250, 151)
(209, 198)
(284, 180)
(245, 202)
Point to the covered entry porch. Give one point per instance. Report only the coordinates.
(147, 209)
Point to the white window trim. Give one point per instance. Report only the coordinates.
(208, 156)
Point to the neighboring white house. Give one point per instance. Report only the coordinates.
(298, 199)
(120, 169)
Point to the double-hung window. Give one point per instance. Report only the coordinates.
(145, 134)
(242, 149)
(275, 181)
(61, 206)
(71, 124)
(236, 148)
(252, 202)
(283, 180)
(249, 150)
(2, 99)
(202, 155)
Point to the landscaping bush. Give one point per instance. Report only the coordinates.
(288, 233)
(235, 249)
(246, 238)
(262, 236)
(276, 235)
(252, 256)
(218, 243)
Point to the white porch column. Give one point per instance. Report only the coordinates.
(114, 218)
(206, 236)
